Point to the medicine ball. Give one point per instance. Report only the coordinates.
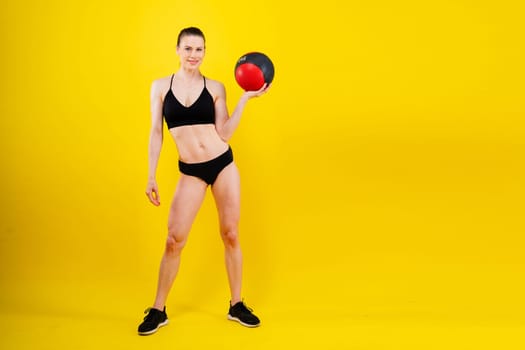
(253, 70)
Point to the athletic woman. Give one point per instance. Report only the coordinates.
(195, 111)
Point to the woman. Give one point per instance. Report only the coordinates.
(195, 111)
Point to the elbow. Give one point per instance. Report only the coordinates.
(155, 140)
(225, 138)
(223, 134)
(156, 133)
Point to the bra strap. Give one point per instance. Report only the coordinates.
(203, 77)
(171, 82)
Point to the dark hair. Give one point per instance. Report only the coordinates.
(190, 31)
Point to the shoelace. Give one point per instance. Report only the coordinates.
(245, 307)
(149, 315)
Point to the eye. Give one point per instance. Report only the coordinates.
(200, 49)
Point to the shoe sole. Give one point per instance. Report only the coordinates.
(231, 318)
(156, 329)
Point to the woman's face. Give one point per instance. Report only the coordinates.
(191, 51)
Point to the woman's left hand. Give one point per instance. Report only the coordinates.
(259, 92)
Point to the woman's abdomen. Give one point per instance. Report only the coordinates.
(198, 143)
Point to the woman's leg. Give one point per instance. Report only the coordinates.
(226, 191)
(186, 202)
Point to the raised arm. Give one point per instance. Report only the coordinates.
(155, 142)
(226, 125)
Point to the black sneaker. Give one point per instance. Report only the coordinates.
(243, 314)
(153, 321)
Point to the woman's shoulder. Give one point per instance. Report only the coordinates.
(213, 82)
(215, 86)
(163, 80)
(162, 84)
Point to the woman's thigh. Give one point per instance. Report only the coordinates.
(227, 194)
(185, 205)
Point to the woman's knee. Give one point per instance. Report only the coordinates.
(230, 236)
(175, 242)
(173, 245)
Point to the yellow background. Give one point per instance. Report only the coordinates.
(382, 175)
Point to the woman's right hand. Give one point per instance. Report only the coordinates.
(152, 191)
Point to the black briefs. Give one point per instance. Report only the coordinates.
(209, 170)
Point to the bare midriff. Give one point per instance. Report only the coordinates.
(198, 143)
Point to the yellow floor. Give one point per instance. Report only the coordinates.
(379, 307)
(285, 329)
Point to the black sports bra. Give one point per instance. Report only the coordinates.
(202, 111)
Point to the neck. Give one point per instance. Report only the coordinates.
(189, 74)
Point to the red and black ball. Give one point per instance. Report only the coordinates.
(253, 70)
